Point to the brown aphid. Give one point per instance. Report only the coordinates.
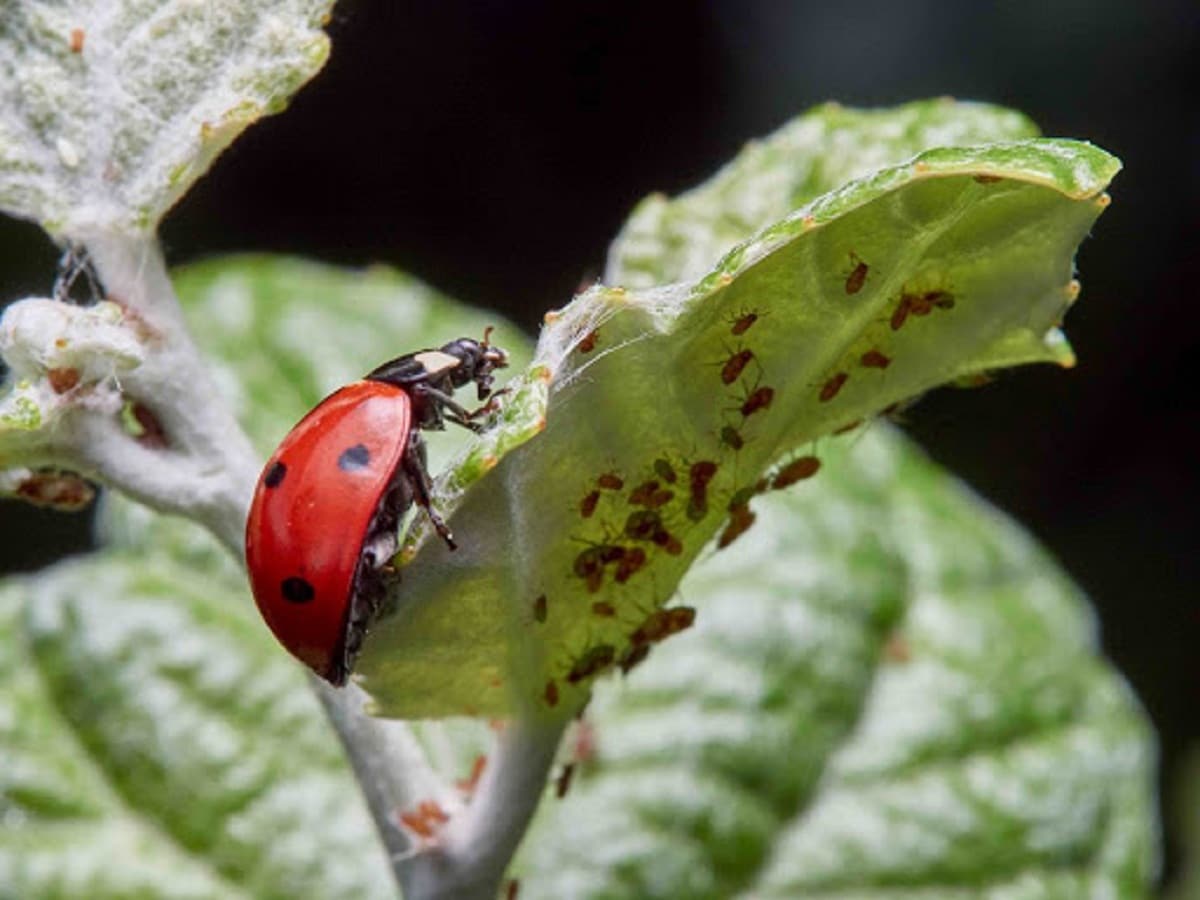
(697, 508)
(630, 564)
(513, 888)
(900, 314)
(588, 342)
(741, 517)
(797, 470)
(550, 694)
(433, 812)
(742, 324)
(467, 785)
(53, 489)
(590, 567)
(77, 38)
(62, 379)
(664, 470)
(416, 823)
(662, 623)
(760, 398)
(643, 525)
(873, 359)
(673, 546)
(540, 609)
(733, 367)
(562, 784)
(830, 389)
(587, 506)
(659, 499)
(849, 426)
(701, 473)
(988, 179)
(940, 299)
(732, 438)
(610, 481)
(153, 434)
(611, 553)
(640, 495)
(858, 277)
(603, 609)
(635, 655)
(594, 660)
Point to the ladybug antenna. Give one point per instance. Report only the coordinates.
(487, 336)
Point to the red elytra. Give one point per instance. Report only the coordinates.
(324, 519)
(322, 488)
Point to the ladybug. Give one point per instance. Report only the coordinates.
(327, 508)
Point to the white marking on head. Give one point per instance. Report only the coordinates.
(435, 362)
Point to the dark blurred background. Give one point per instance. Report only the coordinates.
(493, 147)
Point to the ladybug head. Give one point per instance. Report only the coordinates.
(477, 360)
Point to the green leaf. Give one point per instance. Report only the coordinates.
(889, 693)
(109, 112)
(156, 744)
(949, 265)
(682, 238)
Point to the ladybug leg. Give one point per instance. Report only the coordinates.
(414, 467)
(449, 407)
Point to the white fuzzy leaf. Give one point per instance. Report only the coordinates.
(111, 109)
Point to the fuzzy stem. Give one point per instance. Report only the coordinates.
(476, 845)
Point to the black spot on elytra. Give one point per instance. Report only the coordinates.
(354, 458)
(296, 590)
(274, 475)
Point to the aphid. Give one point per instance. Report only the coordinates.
(900, 314)
(415, 822)
(659, 499)
(742, 324)
(630, 564)
(740, 519)
(733, 367)
(611, 553)
(849, 426)
(539, 609)
(662, 623)
(77, 37)
(760, 398)
(640, 495)
(550, 694)
(594, 660)
(873, 359)
(325, 514)
(732, 438)
(514, 887)
(467, 785)
(587, 506)
(590, 567)
(56, 489)
(988, 179)
(149, 431)
(857, 277)
(62, 379)
(644, 525)
(610, 481)
(562, 784)
(664, 470)
(603, 609)
(830, 389)
(797, 470)
(633, 657)
(588, 343)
